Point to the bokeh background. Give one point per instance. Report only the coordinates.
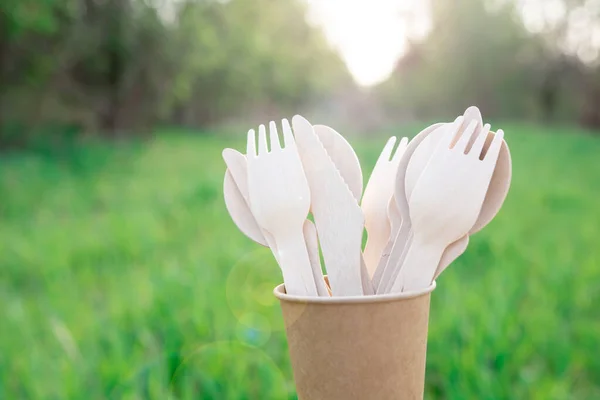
(123, 277)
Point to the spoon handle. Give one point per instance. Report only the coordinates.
(451, 253)
(395, 256)
(294, 261)
(312, 245)
(397, 268)
(395, 224)
(419, 266)
(367, 284)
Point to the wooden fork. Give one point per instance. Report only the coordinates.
(446, 201)
(280, 200)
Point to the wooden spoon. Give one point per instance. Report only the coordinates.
(447, 200)
(376, 200)
(235, 188)
(495, 196)
(386, 271)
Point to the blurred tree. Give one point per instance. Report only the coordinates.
(486, 53)
(251, 54)
(471, 56)
(118, 66)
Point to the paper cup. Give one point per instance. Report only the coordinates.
(368, 347)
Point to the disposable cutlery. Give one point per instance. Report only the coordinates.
(338, 218)
(235, 186)
(446, 201)
(236, 196)
(343, 157)
(376, 200)
(386, 269)
(421, 203)
(345, 160)
(497, 191)
(280, 200)
(236, 199)
(235, 190)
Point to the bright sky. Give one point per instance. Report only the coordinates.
(370, 34)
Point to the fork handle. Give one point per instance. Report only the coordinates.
(295, 264)
(312, 245)
(419, 266)
(389, 270)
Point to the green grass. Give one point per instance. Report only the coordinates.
(123, 277)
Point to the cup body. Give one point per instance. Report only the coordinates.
(367, 347)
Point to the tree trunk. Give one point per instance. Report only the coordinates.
(4, 49)
(116, 65)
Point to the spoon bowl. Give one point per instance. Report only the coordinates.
(384, 274)
(495, 196)
(499, 185)
(235, 185)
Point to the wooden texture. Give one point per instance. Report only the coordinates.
(312, 245)
(235, 186)
(495, 195)
(343, 157)
(280, 200)
(418, 153)
(494, 198)
(395, 224)
(447, 200)
(385, 269)
(235, 190)
(338, 217)
(376, 200)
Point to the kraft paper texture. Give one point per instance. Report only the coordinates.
(363, 348)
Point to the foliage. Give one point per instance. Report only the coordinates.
(481, 52)
(115, 67)
(129, 281)
(122, 67)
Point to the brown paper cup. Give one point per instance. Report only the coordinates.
(363, 348)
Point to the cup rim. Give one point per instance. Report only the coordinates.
(279, 292)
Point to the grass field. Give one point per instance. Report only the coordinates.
(123, 277)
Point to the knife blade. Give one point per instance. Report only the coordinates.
(338, 217)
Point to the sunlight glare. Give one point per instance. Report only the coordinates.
(370, 34)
